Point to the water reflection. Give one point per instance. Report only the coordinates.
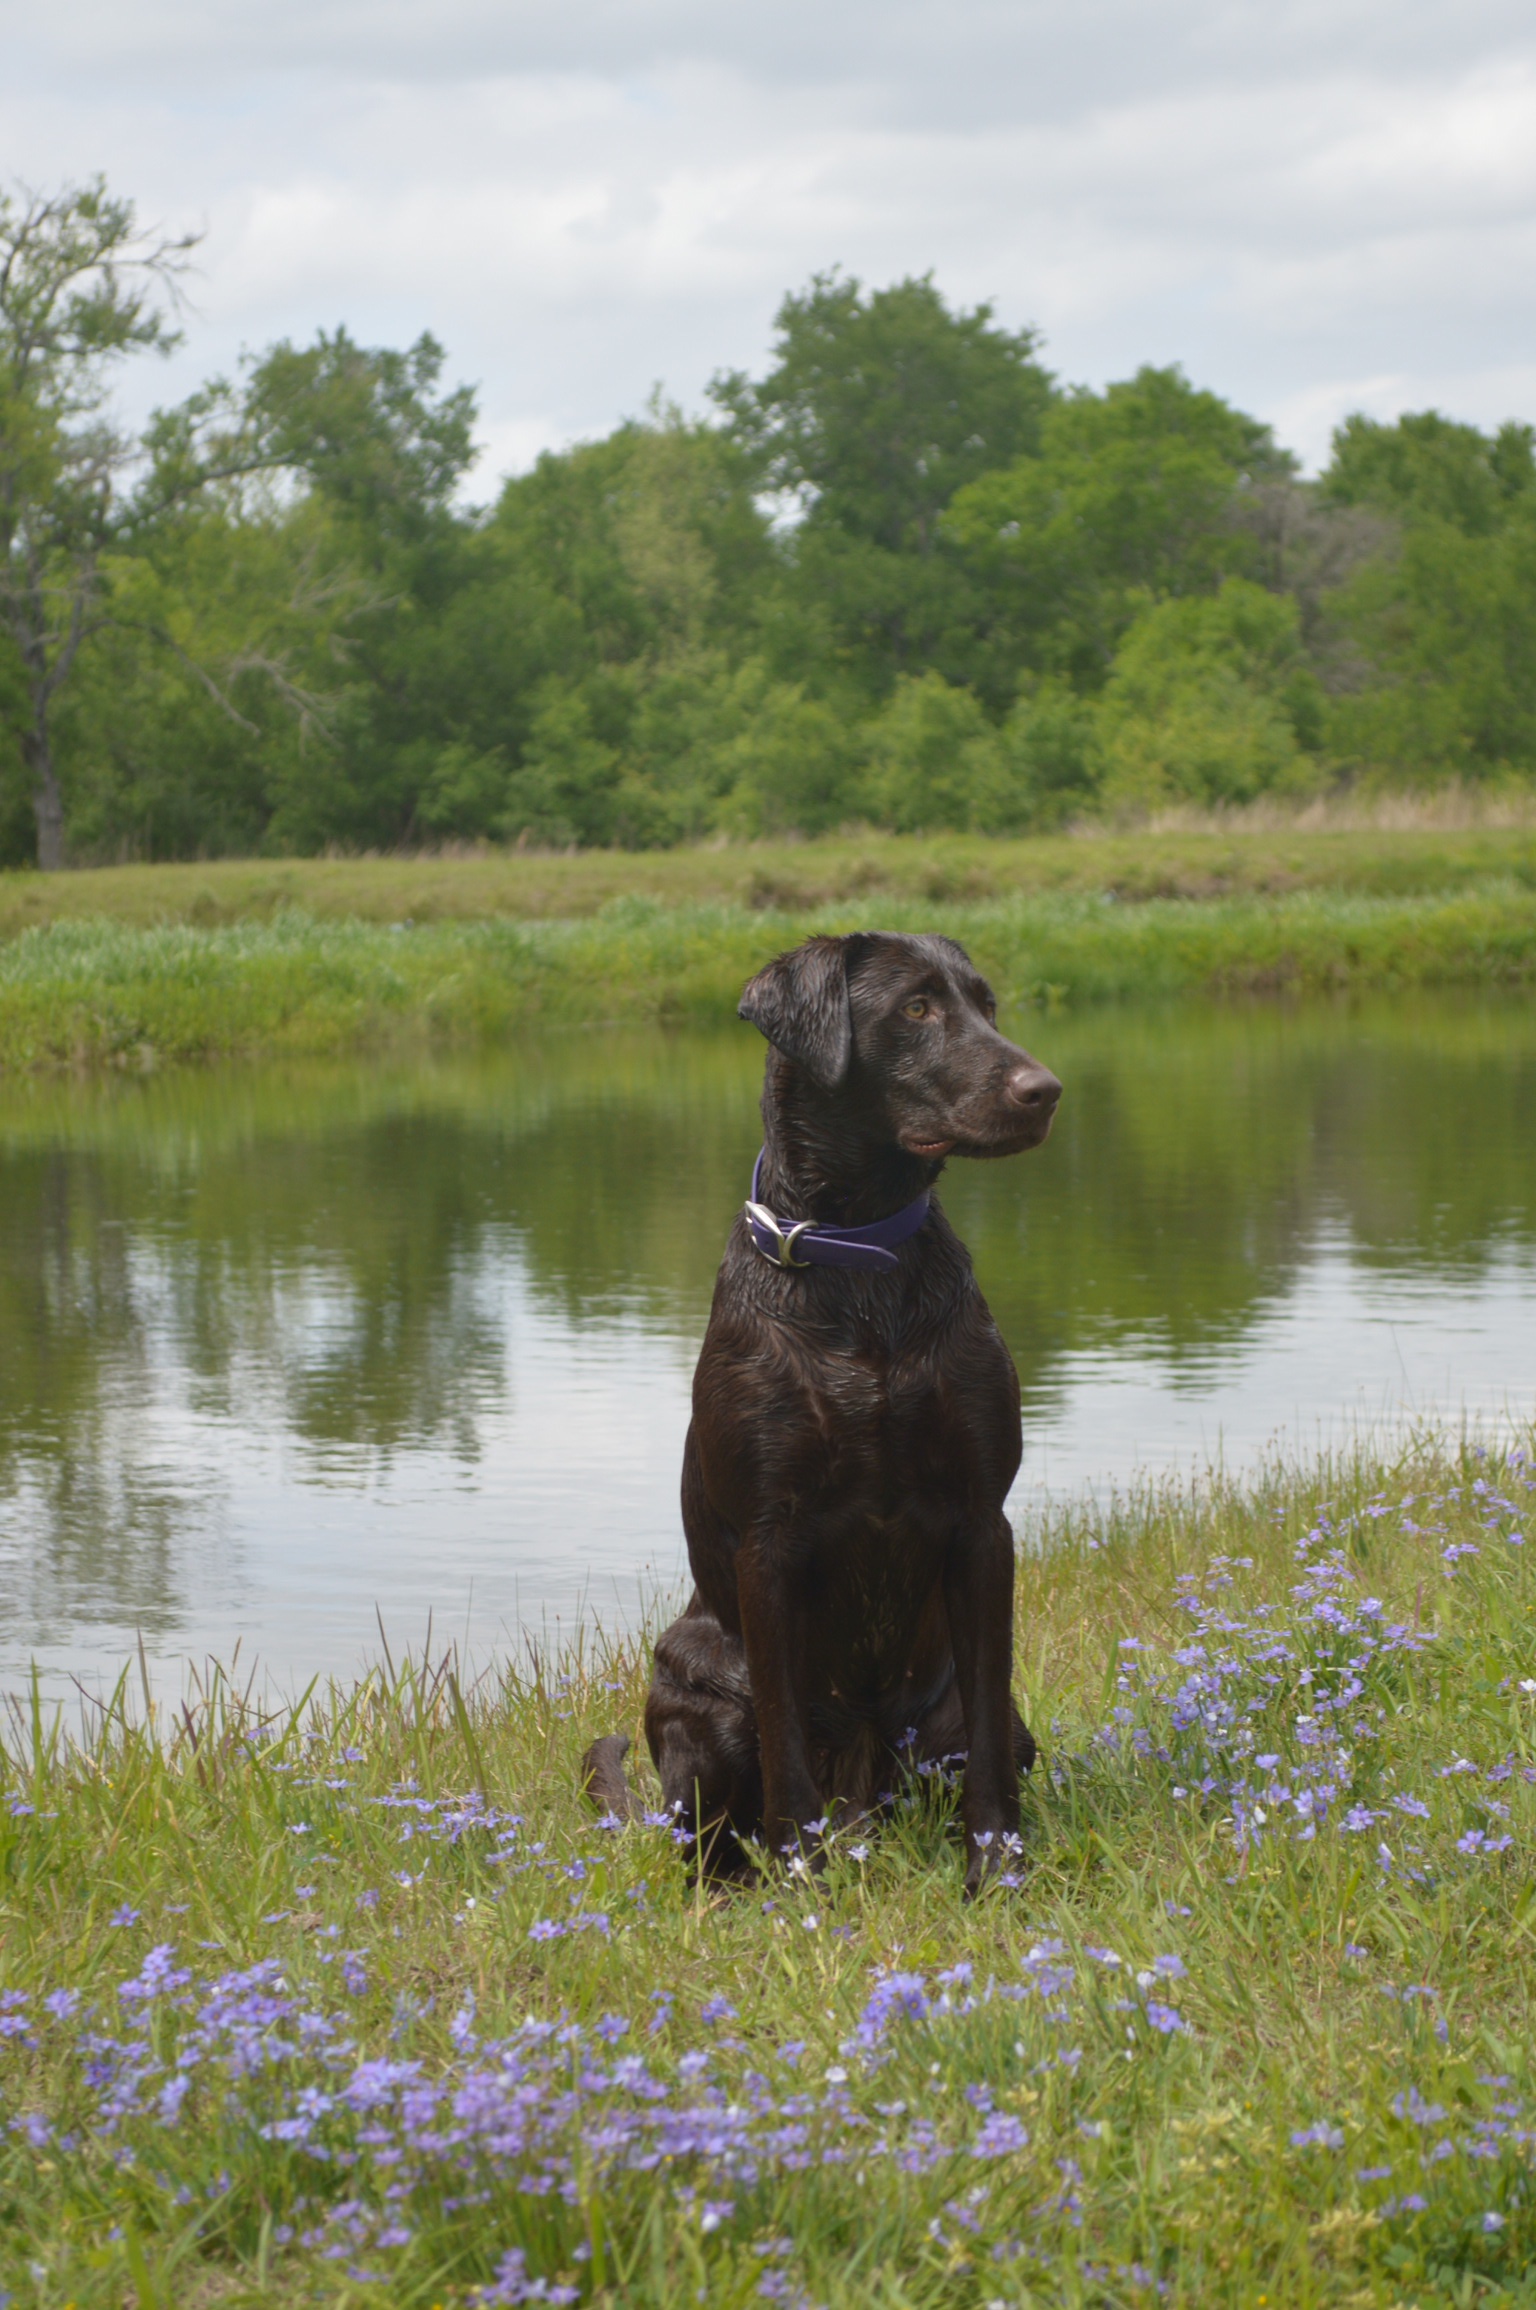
(279, 1346)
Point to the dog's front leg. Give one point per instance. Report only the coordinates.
(978, 1594)
(774, 1642)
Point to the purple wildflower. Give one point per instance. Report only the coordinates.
(1001, 2137)
(897, 1993)
(512, 2285)
(157, 1976)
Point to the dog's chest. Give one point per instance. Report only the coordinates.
(909, 1412)
(909, 1418)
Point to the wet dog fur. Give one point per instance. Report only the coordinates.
(854, 1436)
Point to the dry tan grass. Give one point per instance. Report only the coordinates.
(1503, 806)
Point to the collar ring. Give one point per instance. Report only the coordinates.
(779, 1250)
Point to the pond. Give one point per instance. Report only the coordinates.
(289, 1353)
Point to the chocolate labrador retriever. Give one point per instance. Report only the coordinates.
(855, 1428)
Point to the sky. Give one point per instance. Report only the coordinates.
(1314, 205)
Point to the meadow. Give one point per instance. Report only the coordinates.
(354, 2000)
(1395, 848)
(134, 966)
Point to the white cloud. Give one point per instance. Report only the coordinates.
(1308, 205)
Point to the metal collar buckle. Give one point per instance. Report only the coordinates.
(779, 1251)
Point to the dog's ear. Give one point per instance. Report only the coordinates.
(800, 1002)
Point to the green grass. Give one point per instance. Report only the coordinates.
(1049, 2127)
(1370, 861)
(97, 992)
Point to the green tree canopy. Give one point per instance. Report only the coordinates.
(877, 408)
(81, 289)
(1445, 623)
(291, 545)
(899, 577)
(1429, 467)
(1210, 700)
(1132, 493)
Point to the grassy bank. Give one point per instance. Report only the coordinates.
(91, 993)
(1381, 861)
(356, 2003)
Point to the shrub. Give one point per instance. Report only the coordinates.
(1210, 699)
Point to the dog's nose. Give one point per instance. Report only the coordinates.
(1033, 1088)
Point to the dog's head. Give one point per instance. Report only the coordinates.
(904, 1030)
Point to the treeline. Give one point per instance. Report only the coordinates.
(905, 577)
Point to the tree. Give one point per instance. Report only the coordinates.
(1446, 623)
(1134, 491)
(1429, 467)
(1447, 629)
(380, 447)
(222, 685)
(293, 548)
(933, 755)
(877, 409)
(1210, 700)
(602, 649)
(81, 288)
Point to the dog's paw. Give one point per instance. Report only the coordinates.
(992, 1857)
(602, 1775)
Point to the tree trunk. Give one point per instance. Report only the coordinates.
(47, 798)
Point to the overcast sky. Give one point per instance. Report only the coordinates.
(1314, 205)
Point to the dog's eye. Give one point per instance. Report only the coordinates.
(917, 1008)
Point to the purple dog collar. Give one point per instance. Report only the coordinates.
(801, 1243)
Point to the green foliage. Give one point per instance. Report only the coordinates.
(933, 757)
(566, 787)
(206, 715)
(254, 685)
(81, 289)
(878, 408)
(601, 645)
(371, 430)
(1050, 756)
(1133, 492)
(1210, 700)
(901, 578)
(1430, 468)
(789, 764)
(1446, 625)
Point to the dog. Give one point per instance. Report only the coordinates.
(855, 1430)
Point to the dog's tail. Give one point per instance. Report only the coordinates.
(603, 1778)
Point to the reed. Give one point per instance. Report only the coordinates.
(95, 992)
